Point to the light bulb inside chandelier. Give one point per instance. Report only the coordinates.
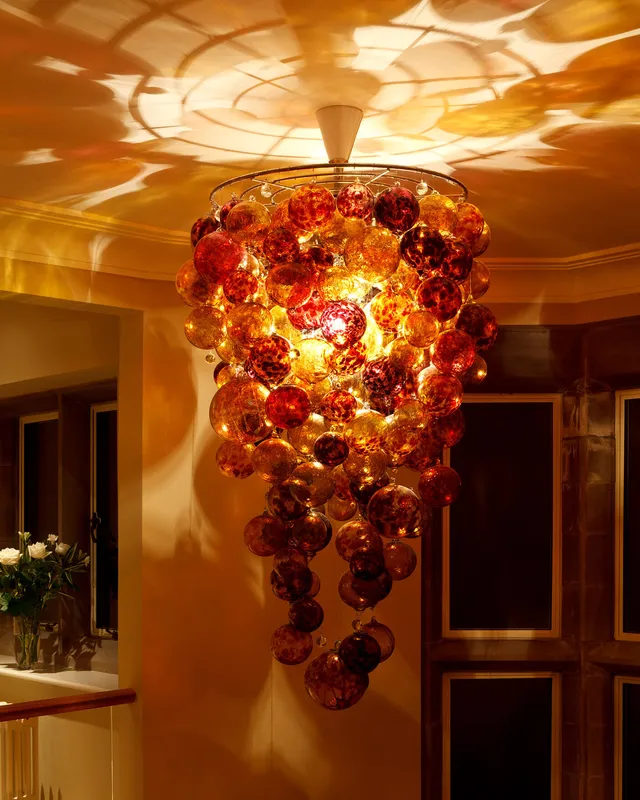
(341, 303)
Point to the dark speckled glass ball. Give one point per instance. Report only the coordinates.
(423, 249)
(201, 227)
(361, 594)
(480, 323)
(308, 315)
(265, 535)
(311, 533)
(440, 296)
(311, 207)
(453, 352)
(394, 511)
(425, 454)
(306, 614)
(331, 449)
(292, 586)
(360, 652)
(216, 256)
(239, 286)
(291, 645)
(381, 377)
(338, 406)
(457, 260)
(226, 208)
(288, 406)
(355, 535)
(396, 209)
(367, 563)
(439, 486)
(318, 258)
(331, 684)
(282, 504)
(356, 200)
(446, 431)
(270, 359)
(280, 246)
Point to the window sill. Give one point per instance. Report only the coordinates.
(67, 678)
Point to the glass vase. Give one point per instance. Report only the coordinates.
(29, 639)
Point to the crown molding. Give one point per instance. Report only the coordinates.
(594, 258)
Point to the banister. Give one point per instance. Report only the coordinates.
(66, 705)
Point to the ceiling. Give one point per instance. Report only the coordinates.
(134, 109)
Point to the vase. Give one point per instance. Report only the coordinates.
(29, 638)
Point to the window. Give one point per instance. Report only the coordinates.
(38, 474)
(627, 738)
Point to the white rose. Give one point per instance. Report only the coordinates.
(9, 556)
(52, 538)
(38, 550)
(86, 561)
(62, 548)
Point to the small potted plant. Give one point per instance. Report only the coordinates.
(29, 579)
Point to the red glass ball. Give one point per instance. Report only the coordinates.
(400, 560)
(265, 535)
(440, 394)
(291, 645)
(318, 258)
(306, 614)
(360, 652)
(331, 449)
(469, 224)
(453, 352)
(480, 323)
(289, 559)
(381, 377)
(282, 504)
(446, 431)
(359, 594)
(440, 296)
(343, 323)
(201, 227)
(216, 256)
(338, 406)
(439, 486)
(396, 209)
(423, 249)
(383, 403)
(280, 246)
(270, 361)
(383, 635)
(355, 535)
(364, 492)
(289, 285)
(425, 454)
(308, 315)
(331, 684)
(356, 200)
(295, 584)
(226, 208)
(394, 511)
(239, 286)
(457, 260)
(311, 533)
(288, 406)
(315, 585)
(367, 563)
(311, 207)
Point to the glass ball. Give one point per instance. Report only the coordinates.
(400, 560)
(240, 286)
(234, 460)
(274, 460)
(360, 652)
(347, 361)
(389, 308)
(288, 406)
(476, 373)
(338, 406)
(439, 486)
(469, 224)
(311, 533)
(406, 358)
(306, 615)
(479, 280)
(248, 322)
(247, 221)
(291, 645)
(281, 219)
(307, 316)
(340, 509)
(457, 261)
(337, 283)
(383, 635)
(412, 414)
(355, 535)
(363, 492)
(315, 585)
(365, 467)
(281, 502)
(423, 249)
(331, 449)
(382, 377)
(270, 359)
(289, 285)
(281, 246)
(303, 438)
(317, 258)
(216, 256)
(396, 209)
(453, 352)
(201, 227)
(296, 583)
(339, 231)
(343, 323)
(440, 394)
(311, 207)
(400, 439)
(311, 363)
(356, 200)
(331, 684)
(405, 277)
(425, 454)
(226, 208)
(367, 564)
(480, 323)
(420, 328)
(194, 290)
(438, 213)
(374, 256)
(289, 559)
(365, 433)
(446, 431)
(238, 412)
(223, 373)
(205, 327)
(440, 297)
(312, 483)
(343, 489)
(265, 535)
(482, 242)
(394, 511)
(361, 594)
(316, 391)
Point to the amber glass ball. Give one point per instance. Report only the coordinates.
(405, 277)
(438, 213)
(480, 323)
(201, 227)
(288, 406)
(420, 328)
(397, 209)
(274, 460)
(439, 486)
(293, 585)
(291, 645)
(312, 362)
(446, 431)
(440, 297)
(270, 359)
(289, 285)
(331, 684)
(238, 412)
(337, 283)
(247, 221)
(476, 373)
(479, 280)
(407, 359)
(239, 286)
(311, 533)
(234, 460)
(331, 449)
(360, 652)
(400, 439)
(356, 200)
(281, 246)
(312, 483)
(400, 560)
(355, 535)
(248, 322)
(482, 242)
(303, 438)
(383, 635)
(343, 323)
(348, 360)
(374, 256)
(453, 352)
(306, 614)
(311, 207)
(367, 563)
(194, 290)
(389, 308)
(412, 414)
(423, 249)
(317, 258)
(338, 406)
(440, 394)
(205, 327)
(216, 256)
(469, 224)
(265, 535)
(366, 432)
(361, 594)
(394, 511)
(338, 232)
(365, 467)
(340, 509)
(281, 502)
(382, 377)
(425, 454)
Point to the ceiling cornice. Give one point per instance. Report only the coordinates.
(627, 252)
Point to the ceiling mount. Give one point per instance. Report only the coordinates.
(339, 127)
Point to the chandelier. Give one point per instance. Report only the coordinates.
(340, 302)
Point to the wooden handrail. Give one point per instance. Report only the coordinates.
(66, 705)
